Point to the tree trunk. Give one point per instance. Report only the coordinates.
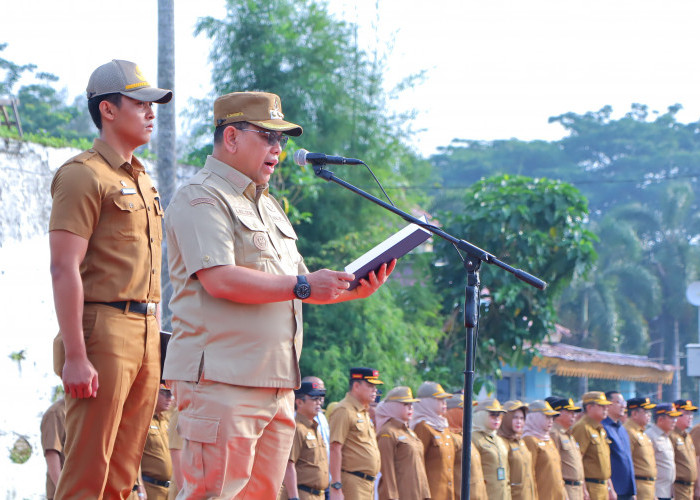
(675, 356)
(165, 143)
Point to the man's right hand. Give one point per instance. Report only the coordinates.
(80, 378)
(327, 285)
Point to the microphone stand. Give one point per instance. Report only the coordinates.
(475, 256)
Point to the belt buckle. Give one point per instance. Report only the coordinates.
(151, 309)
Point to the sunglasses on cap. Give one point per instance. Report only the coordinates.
(272, 137)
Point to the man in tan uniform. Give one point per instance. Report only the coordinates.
(660, 435)
(592, 440)
(238, 284)
(684, 449)
(639, 411)
(306, 477)
(105, 238)
(355, 459)
(53, 438)
(569, 452)
(156, 463)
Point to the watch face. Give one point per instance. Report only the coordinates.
(302, 290)
(336, 486)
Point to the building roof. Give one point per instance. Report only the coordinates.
(571, 361)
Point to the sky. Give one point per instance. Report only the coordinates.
(495, 69)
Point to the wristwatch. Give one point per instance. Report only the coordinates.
(302, 290)
(337, 485)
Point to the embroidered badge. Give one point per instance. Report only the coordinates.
(199, 201)
(242, 211)
(260, 241)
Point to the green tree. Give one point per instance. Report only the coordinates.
(610, 307)
(10, 72)
(534, 224)
(669, 231)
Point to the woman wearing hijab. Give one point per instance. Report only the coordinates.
(430, 425)
(454, 416)
(522, 483)
(493, 450)
(402, 467)
(545, 456)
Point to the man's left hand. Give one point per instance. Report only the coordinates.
(367, 288)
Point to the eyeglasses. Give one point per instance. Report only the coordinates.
(272, 137)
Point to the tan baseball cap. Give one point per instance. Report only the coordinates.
(124, 77)
(515, 404)
(596, 397)
(432, 390)
(259, 108)
(401, 394)
(543, 407)
(456, 401)
(489, 404)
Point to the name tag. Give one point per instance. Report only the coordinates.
(128, 191)
(501, 474)
(401, 438)
(310, 435)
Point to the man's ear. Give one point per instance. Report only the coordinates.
(107, 110)
(230, 139)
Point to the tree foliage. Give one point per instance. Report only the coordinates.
(534, 224)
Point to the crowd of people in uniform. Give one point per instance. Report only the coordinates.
(396, 446)
(248, 425)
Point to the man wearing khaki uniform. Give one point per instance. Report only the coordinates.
(571, 461)
(355, 459)
(684, 449)
(306, 477)
(593, 442)
(639, 411)
(105, 236)
(238, 283)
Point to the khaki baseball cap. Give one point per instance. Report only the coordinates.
(515, 404)
(489, 404)
(124, 77)
(543, 407)
(259, 108)
(401, 394)
(596, 397)
(456, 401)
(432, 390)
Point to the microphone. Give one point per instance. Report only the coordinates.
(303, 157)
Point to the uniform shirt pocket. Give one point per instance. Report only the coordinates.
(129, 218)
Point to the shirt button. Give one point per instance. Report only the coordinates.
(131, 205)
(149, 209)
(153, 271)
(152, 240)
(206, 258)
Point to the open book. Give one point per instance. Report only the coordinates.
(394, 247)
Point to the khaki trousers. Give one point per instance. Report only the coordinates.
(105, 435)
(597, 491)
(356, 488)
(574, 492)
(683, 492)
(646, 490)
(236, 439)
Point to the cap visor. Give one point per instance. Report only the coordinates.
(443, 396)
(374, 381)
(150, 94)
(280, 126)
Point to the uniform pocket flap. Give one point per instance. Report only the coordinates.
(199, 429)
(129, 205)
(286, 229)
(252, 223)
